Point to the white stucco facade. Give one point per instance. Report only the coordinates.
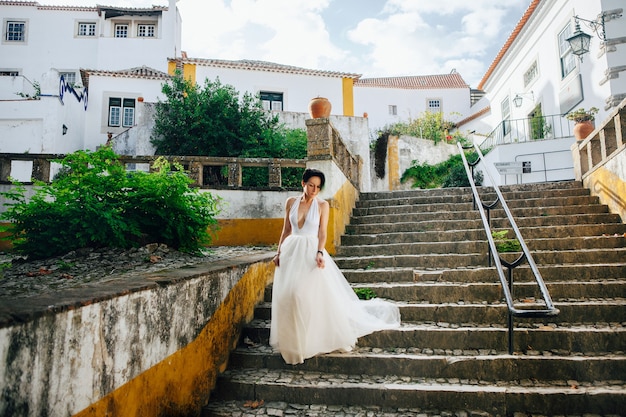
(538, 66)
(409, 103)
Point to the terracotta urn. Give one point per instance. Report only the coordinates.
(319, 107)
(583, 129)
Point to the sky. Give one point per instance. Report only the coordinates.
(374, 38)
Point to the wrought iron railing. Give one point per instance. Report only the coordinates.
(500, 263)
(528, 129)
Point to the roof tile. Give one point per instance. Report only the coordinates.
(425, 82)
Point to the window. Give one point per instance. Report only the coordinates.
(434, 105)
(9, 73)
(15, 31)
(121, 111)
(530, 74)
(86, 29)
(69, 77)
(272, 101)
(505, 108)
(121, 31)
(393, 110)
(145, 31)
(568, 62)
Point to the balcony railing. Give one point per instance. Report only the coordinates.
(529, 129)
(206, 172)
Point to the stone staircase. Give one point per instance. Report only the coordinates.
(426, 250)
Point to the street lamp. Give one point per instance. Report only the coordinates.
(580, 41)
(517, 100)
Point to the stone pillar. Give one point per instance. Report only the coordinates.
(319, 139)
(195, 173)
(41, 169)
(275, 176)
(234, 174)
(5, 169)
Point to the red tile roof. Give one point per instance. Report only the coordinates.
(130, 10)
(137, 72)
(426, 82)
(252, 65)
(474, 116)
(522, 22)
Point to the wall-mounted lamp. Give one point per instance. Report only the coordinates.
(64, 129)
(580, 41)
(517, 100)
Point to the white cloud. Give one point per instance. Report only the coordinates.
(370, 37)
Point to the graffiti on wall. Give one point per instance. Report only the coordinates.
(64, 87)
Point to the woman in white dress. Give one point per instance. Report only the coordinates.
(314, 309)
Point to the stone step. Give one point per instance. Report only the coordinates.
(452, 292)
(545, 206)
(484, 192)
(570, 312)
(248, 408)
(559, 231)
(458, 246)
(499, 398)
(581, 339)
(456, 260)
(457, 225)
(485, 366)
(450, 202)
(580, 272)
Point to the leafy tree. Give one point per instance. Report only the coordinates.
(211, 121)
(95, 202)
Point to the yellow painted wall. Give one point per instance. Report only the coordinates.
(610, 189)
(243, 232)
(189, 72)
(393, 162)
(348, 96)
(341, 205)
(181, 384)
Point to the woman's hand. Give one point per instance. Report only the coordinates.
(276, 259)
(319, 258)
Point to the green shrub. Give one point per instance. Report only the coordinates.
(365, 293)
(503, 243)
(449, 173)
(97, 203)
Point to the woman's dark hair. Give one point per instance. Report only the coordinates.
(310, 172)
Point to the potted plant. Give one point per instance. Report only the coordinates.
(584, 121)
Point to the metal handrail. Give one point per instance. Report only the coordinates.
(507, 284)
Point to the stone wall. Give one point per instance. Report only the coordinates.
(142, 345)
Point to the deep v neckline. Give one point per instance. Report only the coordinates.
(306, 214)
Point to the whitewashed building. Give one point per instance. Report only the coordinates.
(390, 100)
(536, 79)
(47, 53)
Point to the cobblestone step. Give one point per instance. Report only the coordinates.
(582, 338)
(501, 397)
(459, 225)
(456, 260)
(460, 246)
(560, 231)
(488, 366)
(581, 272)
(570, 312)
(464, 211)
(452, 292)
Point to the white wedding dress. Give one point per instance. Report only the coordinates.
(314, 310)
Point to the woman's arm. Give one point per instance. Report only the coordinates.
(286, 228)
(322, 233)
